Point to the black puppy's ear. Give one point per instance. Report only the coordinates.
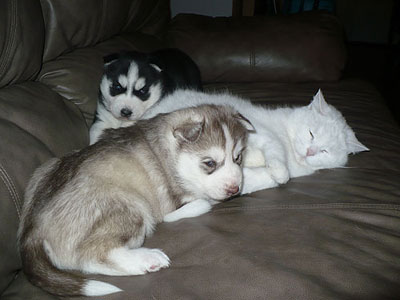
(111, 57)
(157, 68)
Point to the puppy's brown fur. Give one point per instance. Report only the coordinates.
(90, 211)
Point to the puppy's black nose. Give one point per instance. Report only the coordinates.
(126, 112)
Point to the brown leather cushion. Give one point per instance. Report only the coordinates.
(296, 48)
(21, 288)
(331, 235)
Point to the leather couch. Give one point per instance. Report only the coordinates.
(332, 235)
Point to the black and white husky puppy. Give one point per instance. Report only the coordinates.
(134, 81)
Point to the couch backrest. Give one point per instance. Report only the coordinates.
(50, 64)
(82, 23)
(21, 41)
(285, 48)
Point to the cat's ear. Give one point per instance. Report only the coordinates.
(353, 145)
(319, 104)
(189, 132)
(245, 122)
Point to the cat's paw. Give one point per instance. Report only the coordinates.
(278, 171)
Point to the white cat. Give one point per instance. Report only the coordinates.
(288, 142)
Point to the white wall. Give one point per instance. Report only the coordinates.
(214, 8)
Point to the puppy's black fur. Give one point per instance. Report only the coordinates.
(178, 70)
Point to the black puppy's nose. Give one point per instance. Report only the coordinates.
(126, 112)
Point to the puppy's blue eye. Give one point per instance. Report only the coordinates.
(143, 91)
(117, 87)
(210, 163)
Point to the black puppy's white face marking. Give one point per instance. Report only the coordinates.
(130, 87)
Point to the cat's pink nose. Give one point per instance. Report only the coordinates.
(232, 190)
(311, 152)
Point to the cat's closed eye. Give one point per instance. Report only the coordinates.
(311, 134)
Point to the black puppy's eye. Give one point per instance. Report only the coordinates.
(116, 87)
(143, 91)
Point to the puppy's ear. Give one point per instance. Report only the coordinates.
(245, 122)
(110, 58)
(189, 132)
(157, 68)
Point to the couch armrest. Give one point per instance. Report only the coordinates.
(295, 48)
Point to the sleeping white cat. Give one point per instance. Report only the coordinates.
(288, 142)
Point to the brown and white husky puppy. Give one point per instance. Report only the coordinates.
(90, 211)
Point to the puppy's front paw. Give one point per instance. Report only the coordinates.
(278, 171)
(189, 210)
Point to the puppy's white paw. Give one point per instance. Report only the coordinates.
(152, 260)
(136, 261)
(278, 171)
(189, 210)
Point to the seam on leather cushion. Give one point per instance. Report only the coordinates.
(11, 36)
(252, 58)
(309, 207)
(11, 189)
(103, 17)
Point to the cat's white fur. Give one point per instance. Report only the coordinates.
(288, 141)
